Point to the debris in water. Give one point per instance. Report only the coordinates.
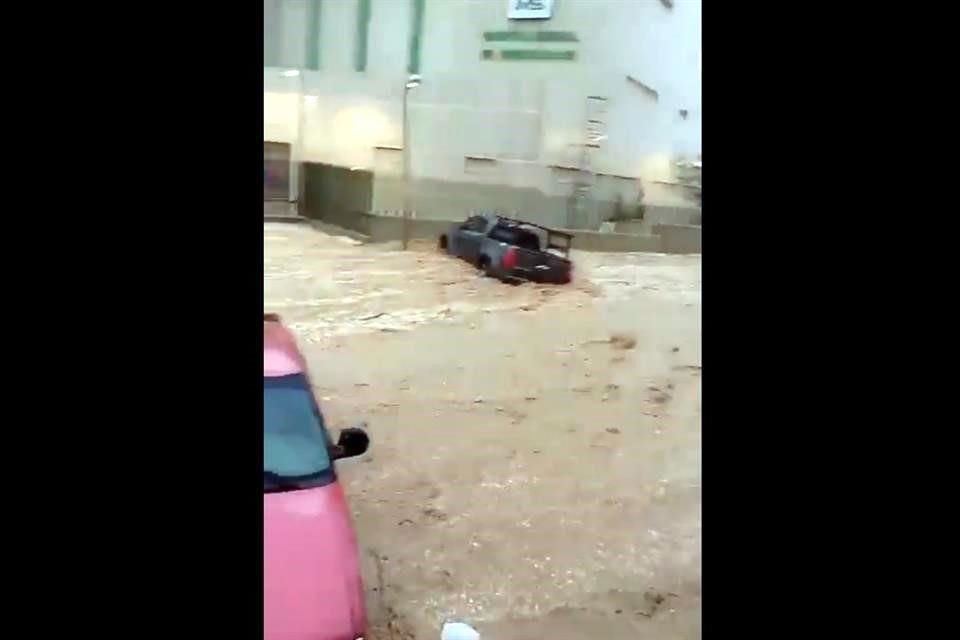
(621, 341)
(435, 514)
(458, 631)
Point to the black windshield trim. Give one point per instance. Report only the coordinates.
(273, 483)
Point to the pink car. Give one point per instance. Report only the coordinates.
(311, 572)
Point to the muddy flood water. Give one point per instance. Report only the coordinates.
(535, 459)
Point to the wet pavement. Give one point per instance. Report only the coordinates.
(535, 466)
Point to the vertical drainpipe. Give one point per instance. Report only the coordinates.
(416, 36)
(363, 28)
(312, 57)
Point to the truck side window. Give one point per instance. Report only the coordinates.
(475, 223)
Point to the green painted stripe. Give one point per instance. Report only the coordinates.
(530, 36)
(537, 54)
(363, 29)
(313, 35)
(416, 37)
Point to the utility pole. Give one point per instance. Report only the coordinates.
(412, 82)
(294, 177)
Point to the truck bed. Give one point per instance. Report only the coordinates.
(541, 266)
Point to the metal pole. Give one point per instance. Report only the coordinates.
(406, 169)
(301, 118)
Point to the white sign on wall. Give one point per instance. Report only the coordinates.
(529, 9)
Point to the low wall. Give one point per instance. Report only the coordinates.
(668, 238)
(678, 238)
(659, 215)
(388, 228)
(354, 220)
(281, 212)
(441, 199)
(337, 230)
(615, 242)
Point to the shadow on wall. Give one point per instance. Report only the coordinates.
(336, 194)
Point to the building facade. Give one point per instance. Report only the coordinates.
(526, 105)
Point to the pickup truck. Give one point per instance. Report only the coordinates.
(511, 250)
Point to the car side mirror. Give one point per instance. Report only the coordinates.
(352, 442)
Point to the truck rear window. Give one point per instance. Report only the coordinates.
(517, 237)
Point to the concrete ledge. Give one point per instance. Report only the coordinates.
(368, 227)
(335, 230)
(678, 238)
(385, 229)
(281, 211)
(352, 220)
(282, 218)
(614, 242)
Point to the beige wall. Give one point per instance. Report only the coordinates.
(526, 115)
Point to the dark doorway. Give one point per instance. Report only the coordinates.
(276, 172)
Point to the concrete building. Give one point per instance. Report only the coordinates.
(502, 115)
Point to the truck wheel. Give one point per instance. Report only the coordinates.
(484, 266)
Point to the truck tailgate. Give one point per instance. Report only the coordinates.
(541, 266)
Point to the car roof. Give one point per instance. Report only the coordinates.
(281, 356)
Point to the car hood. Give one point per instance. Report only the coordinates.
(312, 588)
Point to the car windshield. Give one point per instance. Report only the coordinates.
(295, 440)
